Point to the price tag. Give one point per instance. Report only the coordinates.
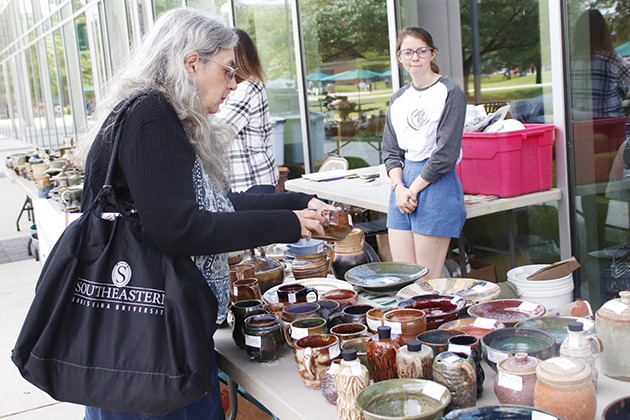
(253, 341)
(513, 382)
(292, 298)
(355, 369)
(433, 390)
(485, 323)
(235, 291)
(452, 359)
(480, 286)
(562, 363)
(297, 333)
(373, 324)
(458, 348)
(455, 300)
(615, 306)
(395, 326)
(537, 415)
(334, 367)
(495, 356)
(587, 323)
(528, 306)
(334, 351)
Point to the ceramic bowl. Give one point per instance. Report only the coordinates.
(617, 410)
(438, 309)
(474, 291)
(500, 344)
(384, 276)
(437, 339)
(554, 325)
(470, 327)
(403, 399)
(493, 412)
(406, 322)
(507, 311)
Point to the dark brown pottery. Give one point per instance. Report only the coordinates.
(406, 322)
(345, 297)
(349, 253)
(336, 225)
(268, 271)
(472, 346)
(437, 309)
(617, 410)
(241, 310)
(437, 339)
(355, 313)
(294, 293)
(263, 337)
(381, 355)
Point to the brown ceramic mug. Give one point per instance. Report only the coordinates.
(240, 272)
(304, 327)
(355, 313)
(406, 322)
(294, 293)
(300, 310)
(245, 289)
(314, 355)
(347, 332)
(345, 297)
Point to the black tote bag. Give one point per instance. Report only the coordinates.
(115, 322)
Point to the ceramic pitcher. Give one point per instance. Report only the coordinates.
(313, 265)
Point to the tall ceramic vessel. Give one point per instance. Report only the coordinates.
(381, 355)
(613, 329)
(350, 379)
(349, 253)
(457, 372)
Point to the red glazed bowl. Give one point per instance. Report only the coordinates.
(437, 309)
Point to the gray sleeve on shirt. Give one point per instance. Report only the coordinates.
(449, 134)
(393, 155)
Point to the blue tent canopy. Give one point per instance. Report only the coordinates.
(624, 49)
(317, 75)
(356, 74)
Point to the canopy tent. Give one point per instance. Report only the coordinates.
(356, 74)
(624, 49)
(317, 76)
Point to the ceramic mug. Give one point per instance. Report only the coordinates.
(406, 322)
(314, 355)
(245, 289)
(330, 311)
(263, 337)
(304, 327)
(240, 311)
(300, 310)
(355, 313)
(294, 293)
(240, 272)
(350, 331)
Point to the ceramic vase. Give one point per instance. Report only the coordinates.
(349, 253)
(415, 360)
(456, 371)
(351, 378)
(381, 355)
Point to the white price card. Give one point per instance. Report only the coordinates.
(412, 408)
(480, 286)
(615, 306)
(297, 333)
(458, 348)
(455, 300)
(355, 369)
(395, 326)
(334, 351)
(452, 359)
(235, 291)
(334, 367)
(507, 380)
(562, 363)
(292, 298)
(496, 356)
(485, 323)
(537, 415)
(373, 324)
(528, 306)
(253, 341)
(433, 390)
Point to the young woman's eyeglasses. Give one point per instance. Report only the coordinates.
(407, 53)
(230, 72)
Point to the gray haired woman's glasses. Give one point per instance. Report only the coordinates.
(230, 72)
(407, 53)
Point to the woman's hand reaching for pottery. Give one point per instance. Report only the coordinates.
(310, 222)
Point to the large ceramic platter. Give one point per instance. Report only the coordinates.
(384, 276)
(322, 284)
(472, 290)
(507, 311)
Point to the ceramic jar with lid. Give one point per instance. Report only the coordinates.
(579, 345)
(564, 387)
(414, 360)
(613, 329)
(516, 379)
(349, 253)
(381, 355)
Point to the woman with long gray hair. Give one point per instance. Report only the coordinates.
(171, 164)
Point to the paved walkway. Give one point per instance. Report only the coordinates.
(19, 400)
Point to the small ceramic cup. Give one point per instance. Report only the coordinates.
(245, 289)
(347, 332)
(355, 313)
(345, 297)
(438, 339)
(330, 311)
(374, 318)
(314, 355)
(406, 322)
(303, 327)
(294, 293)
(300, 310)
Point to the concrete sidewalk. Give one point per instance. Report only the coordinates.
(19, 399)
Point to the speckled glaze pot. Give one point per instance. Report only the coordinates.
(456, 371)
(516, 379)
(415, 360)
(564, 388)
(471, 346)
(613, 329)
(381, 355)
(263, 337)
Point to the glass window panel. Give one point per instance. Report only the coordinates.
(599, 123)
(348, 77)
(160, 6)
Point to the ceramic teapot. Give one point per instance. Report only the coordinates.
(267, 270)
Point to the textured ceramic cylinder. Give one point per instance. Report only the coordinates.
(350, 379)
(456, 371)
(381, 355)
(415, 361)
(263, 337)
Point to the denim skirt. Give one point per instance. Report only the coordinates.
(440, 211)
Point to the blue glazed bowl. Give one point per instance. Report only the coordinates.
(493, 412)
(500, 344)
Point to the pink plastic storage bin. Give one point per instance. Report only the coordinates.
(507, 164)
